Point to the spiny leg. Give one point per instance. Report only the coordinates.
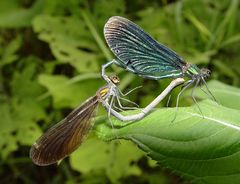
(118, 108)
(124, 99)
(129, 101)
(205, 91)
(148, 108)
(115, 107)
(209, 91)
(194, 99)
(109, 114)
(109, 110)
(104, 66)
(126, 108)
(187, 84)
(127, 93)
(168, 101)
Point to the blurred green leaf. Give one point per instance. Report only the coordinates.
(203, 150)
(13, 14)
(9, 143)
(222, 30)
(68, 94)
(69, 40)
(223, 67)
(118, 160)
(105, 9)
(26, 79)
(24, 119)
(231, 40)
(20, 112)
(200, 57)
(8, 53)
(203, 30)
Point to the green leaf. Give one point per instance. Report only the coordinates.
(21, 111)
(231, 40)
(203, 150)
(9, 143)
(24, 119)
(203, 30)
(65, 93)
(105, 9)
(8, 53)
(198, 57)
(13, 14)
(24, 80)
(223, 28)
(69, 41)
(117, 160)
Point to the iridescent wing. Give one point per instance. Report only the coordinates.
(66, 136)
(139, 53)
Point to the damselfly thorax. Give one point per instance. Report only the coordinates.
(193, 72)
(108, 91)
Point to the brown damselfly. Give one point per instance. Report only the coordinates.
(67, 135)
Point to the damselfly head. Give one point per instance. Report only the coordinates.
(205, 72)
(115, 79)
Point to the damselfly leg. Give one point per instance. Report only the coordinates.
(185, 86)
(212, 96)
(104, 66)
(128, 101)
(130, 118)
(194, 99)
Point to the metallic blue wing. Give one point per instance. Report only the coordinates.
(138, 52)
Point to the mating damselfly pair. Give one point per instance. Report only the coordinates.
(138, 53)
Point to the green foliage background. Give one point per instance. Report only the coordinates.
(50, 58)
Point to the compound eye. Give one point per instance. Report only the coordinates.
(115, 79)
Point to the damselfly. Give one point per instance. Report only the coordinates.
(67, 135)
(138, 52)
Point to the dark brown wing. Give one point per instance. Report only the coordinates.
(66, 136)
